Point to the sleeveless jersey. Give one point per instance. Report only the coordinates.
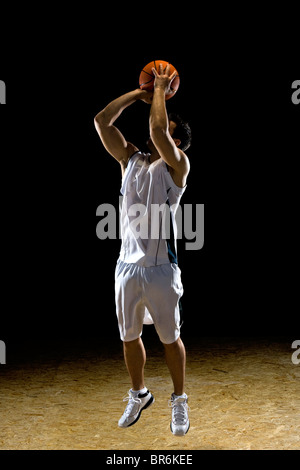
(149, 205)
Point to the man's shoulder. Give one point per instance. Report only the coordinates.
(137, 158)
(138, 154)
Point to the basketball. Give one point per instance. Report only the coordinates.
(146, 79)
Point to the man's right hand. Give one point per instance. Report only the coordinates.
(146, 96)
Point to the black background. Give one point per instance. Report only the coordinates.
(57, 276)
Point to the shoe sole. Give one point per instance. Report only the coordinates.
(149, 402)
(180, 435)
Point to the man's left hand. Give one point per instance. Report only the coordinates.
(163, 79)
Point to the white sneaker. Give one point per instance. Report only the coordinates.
(180, 419)
(137, 402)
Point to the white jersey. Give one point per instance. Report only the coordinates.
(150, 201)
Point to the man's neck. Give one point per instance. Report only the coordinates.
(154, 156)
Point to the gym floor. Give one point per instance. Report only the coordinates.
(244, 393)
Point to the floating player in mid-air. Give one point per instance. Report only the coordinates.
(147, 279)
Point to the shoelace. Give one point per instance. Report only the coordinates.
(179, 410)
(131, 402)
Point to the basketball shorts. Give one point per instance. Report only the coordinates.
(148, 293)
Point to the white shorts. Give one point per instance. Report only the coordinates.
(148, 293)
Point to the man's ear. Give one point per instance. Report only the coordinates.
(177, 142)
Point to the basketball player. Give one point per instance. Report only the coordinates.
(147, 278)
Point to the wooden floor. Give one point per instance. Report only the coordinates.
(243, 394)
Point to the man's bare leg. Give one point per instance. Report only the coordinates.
(138, 399)
(135, 360)
(176, 359)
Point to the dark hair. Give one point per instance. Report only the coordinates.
(182, 131)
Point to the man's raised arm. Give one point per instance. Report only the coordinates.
(112, 139)
(159, 125)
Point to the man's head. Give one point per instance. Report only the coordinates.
(180, 131)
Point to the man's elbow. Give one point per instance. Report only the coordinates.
(99, 119)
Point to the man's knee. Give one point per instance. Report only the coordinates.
(132, 343)
(173, 344)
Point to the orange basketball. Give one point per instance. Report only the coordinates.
(146, 79)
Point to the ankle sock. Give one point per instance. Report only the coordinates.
(137, 392)
(184, 395)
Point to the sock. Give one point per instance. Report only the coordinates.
(142, 391)
(179, 396)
